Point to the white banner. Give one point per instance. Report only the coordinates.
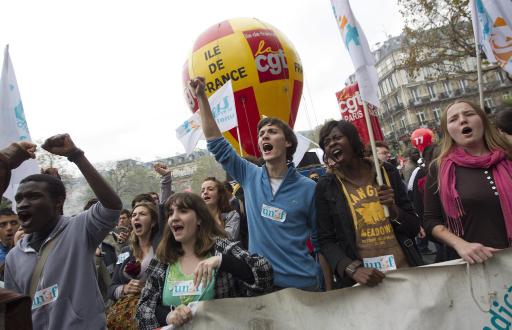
(13, 125)
(359, 50)
(223, 107)
(492, 26)
(446, 296)
(190, 132)
(302, 148)
(222, 104)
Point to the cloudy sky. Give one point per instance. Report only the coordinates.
(109, 72)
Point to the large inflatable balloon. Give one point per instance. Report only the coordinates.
(422, 138)
(263, 66)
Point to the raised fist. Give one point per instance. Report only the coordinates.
(161, 169)
(60, 144)
(197, 87)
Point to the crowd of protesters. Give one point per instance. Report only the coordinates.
(151, 264)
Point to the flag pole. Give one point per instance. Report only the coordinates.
(239, 141)
(380, 181)
(478, 51)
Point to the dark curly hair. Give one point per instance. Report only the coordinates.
(348, 129)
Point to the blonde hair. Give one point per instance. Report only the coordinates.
(492, 139)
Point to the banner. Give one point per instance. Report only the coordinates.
(351, 108)
(13, 125)
(222, 104)
(302, 147)
(492, 26)
(358, 49)
(450, 295)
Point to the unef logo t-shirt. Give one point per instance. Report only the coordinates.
(375, 238)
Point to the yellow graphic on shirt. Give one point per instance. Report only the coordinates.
(371, 213)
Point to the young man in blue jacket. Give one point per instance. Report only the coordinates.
(279, 201)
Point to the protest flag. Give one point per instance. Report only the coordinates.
(222, 105)
(13, 125)
(364, 64)
(492, 28)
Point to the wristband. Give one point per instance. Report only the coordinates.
(72, 157)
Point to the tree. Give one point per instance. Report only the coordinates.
(438, 35)
(130, 178)
(206, 166)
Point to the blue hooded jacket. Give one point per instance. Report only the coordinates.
(279, 224)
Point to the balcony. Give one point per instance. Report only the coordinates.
(415, 102)
(398, 107)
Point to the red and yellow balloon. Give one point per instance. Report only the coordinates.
(265, 70)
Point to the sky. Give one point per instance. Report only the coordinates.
(109, 72)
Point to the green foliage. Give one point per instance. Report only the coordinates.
(5, 203)
(129, 179)
(206, 166)
(438, 35)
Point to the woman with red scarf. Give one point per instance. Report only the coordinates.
(467, 206)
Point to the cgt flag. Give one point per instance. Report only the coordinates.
(351, 108)
(13, 125)
(359, 50)
(492, 26)
(222, 104)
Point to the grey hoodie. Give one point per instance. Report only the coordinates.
(79, 304)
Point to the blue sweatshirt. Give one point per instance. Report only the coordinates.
(279, 224)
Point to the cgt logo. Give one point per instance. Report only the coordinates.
(268, 55)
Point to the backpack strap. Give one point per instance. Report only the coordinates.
(41, 261)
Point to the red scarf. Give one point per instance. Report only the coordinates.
(501, 167)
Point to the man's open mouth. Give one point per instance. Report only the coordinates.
(267, 147)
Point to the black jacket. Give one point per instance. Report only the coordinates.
(336, 233)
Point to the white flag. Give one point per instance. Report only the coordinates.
(190, 132)
(223, 107)
(359, 50)
(13, 125)
(492, 26)
(222, 103)
(302, 148)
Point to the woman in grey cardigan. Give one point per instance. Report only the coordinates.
(216, 198)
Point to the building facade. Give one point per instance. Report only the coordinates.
(408, 103)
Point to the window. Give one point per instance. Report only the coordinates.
(398, 99)
(385, 106)
(391, 84)
(463, 84)
(403, 122)
(499, 76)
(421, 118)
(489, 103)
(447, 87)
(415, 94)
(431, 91)
(437, 113)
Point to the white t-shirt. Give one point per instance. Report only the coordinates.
(275, 183)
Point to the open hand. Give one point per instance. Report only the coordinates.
(474, 252)
(60, 145)
(197, 87)
(161, 169)
(204, 271)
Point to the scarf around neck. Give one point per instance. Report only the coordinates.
(497, 162)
